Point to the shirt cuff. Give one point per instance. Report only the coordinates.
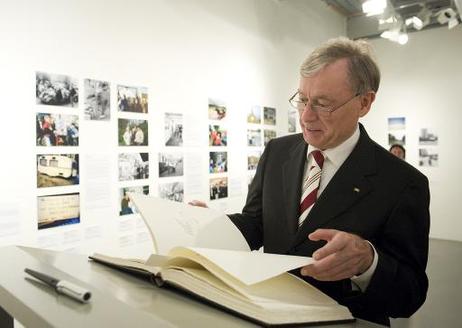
(361, 281)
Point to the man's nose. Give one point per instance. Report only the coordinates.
(308, 114)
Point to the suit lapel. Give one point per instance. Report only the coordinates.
(292, 173)
(348, 186)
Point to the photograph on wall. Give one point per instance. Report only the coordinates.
(396, 123)
(170, 164)
(218, 136)
(396, 138)
(56, 90)
(218, 188)
(55, 170)
(218, 162)
(57, 130)
(97, 100)
(268, 135)
(428, 156)
(252, 160)
(254, 137)
(172, 191)
(58, 210)
(133, 132)
(250, 178)
(173, 129)
(126, 204)
(428, 137)
(132, 99)
(254, 115)
(133, 166)
(292, 118)
(269, 116)
(217, 109)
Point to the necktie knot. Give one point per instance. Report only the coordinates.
(318, 157)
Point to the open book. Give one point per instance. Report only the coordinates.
(253, 285)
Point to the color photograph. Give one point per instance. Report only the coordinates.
(254, 115)
(173, 129)
(97, 100)
(55, 170)
(132, 99)
(56, 90)
(217, 136)
(218, 188)
(217, 110)
(170, 164)
(57, 130)
(58, 210)
(133, 132)
(396, 123)
(268, 135)
(254, 137)
(269, 116)
(172, 191)
(126, 205)
(133, 166)
(218, 162)
(252, 160)
(292, 121)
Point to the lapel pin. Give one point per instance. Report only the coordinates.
(356, 189)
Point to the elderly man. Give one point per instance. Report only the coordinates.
(334, 194)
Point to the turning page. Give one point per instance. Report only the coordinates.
(174, 224)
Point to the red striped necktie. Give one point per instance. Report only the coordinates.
(311, 185)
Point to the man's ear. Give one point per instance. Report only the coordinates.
(366, 102)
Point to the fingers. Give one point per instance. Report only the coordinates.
(198, 203)
(336, 241)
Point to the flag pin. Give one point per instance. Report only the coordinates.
(356, 189)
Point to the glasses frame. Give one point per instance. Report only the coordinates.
(317, 109)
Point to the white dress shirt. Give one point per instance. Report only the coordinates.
(333, 159)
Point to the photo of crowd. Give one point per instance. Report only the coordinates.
(217, 110)
(133, 166)
(172, 191)
(173, 129)
(218, 188)
(58, 210)
(54, 170)
(97, 100)
(57, 130)
(133, 132)
(56, 90)
(254, 137)
(268, 135)
(132, 99)
(254, 115)
(217, 136)
(126, 205)
(170, 164)
(269, 115)
(252, 160)
(218, 162)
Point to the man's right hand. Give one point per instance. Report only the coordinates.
(198, 203)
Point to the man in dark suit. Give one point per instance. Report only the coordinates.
(368, 227)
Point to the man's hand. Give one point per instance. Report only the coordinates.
(198, 203)
(344, 256)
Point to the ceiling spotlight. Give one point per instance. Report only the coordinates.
(374, 7)
(396, 35)
(420, 20)
(446, 15)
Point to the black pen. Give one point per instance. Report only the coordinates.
(61, 286)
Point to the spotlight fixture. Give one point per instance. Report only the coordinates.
(374, 7)
(420, 20)
(446, 15)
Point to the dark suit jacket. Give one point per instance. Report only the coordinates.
(373, 194)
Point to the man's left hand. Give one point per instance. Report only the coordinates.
(344, 256)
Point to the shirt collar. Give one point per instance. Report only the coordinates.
(339, 154)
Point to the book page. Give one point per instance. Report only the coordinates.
(174, 224)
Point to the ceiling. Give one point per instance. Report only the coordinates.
(361, 26)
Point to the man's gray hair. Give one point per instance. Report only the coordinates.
(363, 71)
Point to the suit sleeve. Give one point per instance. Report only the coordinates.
(250, 221)
(399, 284)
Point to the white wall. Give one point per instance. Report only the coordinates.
(422, 81)
(244, 51)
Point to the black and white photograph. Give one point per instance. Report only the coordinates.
(55, 170)
(252, 160)
(58, 210)
(133, 166)
(269, 116)
(218, 136)
(126, 205)
(268, 135)
(218, 162)
(170, 164)
(217, 109)
(292, 118)
(254, 115)
(97, 100)
(172, 191)
(173, 129)
(57, 130)
(133, 132)
(254, 137)
(56, 90)
(428, 137)
(397, 137)
(428, 157)
(218, 188)
(132, 99)
(396, 123)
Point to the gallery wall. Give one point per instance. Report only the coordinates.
(184, 52)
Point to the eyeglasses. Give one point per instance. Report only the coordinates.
(301, 103)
